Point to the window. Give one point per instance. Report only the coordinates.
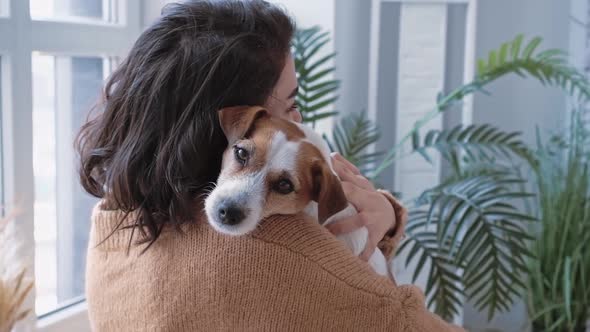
(64, 89)
(73, 10)
(68, 48)
(4, 11)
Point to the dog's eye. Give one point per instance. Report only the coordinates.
(241, 155)
(284, 187)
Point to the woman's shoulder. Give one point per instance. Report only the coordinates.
(108, 227)
(279, 241)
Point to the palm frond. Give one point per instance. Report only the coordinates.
(475, 222)
(317, 92)
(352, 136)
(550, 67)
(444, 291)
(479, 143)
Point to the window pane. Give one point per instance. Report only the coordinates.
(64, 90)
(4, 11)
(74, 10)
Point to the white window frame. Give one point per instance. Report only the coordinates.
(19, 37)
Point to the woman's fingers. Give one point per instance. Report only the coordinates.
(347, 225)
(348, 164)
(347, 176)
(356, 196)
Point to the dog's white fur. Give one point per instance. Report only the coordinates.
(249, 191)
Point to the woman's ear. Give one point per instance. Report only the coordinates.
(328, 191)
(236, 121)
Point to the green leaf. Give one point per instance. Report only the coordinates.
(352, 136)
(531, 47)
(321, 104)
(515, 46)
(320, 116)
(314, 97)
(320, 75)
(415, 140)
(312, 51)
(567, 287)
(481, 67)
(492, 61)
(331, 84)
(484, 139)
(473, 219)
(503, 53)
(319, 63)
(317, 89)
(443, 286)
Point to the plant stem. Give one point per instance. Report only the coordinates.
(456, 94)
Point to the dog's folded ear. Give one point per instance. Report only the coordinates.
(236, 121)
(328, 192)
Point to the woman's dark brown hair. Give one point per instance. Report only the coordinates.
(156, 143)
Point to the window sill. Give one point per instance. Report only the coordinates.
(72, 318)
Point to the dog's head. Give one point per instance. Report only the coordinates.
(271, 166)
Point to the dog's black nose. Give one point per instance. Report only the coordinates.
(230, 215)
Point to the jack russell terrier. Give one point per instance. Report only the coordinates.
(274, 166)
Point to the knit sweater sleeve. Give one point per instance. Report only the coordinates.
(392, 238)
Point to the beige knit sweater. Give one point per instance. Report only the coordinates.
(290, 275)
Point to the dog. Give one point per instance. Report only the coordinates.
(274, 166)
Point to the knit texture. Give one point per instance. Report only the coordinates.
(397, 233)
(289, 275)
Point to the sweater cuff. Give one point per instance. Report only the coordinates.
(392, 238)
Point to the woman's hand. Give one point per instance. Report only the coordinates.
(375, 212)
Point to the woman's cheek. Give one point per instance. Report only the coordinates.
(296, 116)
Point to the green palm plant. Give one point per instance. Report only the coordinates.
(558, 287)
(316, 89)
(480, 230)
(352, 137)
(469, 233)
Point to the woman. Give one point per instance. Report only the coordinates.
(150, 155)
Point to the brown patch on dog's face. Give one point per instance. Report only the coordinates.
(323, 184)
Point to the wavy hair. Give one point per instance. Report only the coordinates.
(155, 143)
